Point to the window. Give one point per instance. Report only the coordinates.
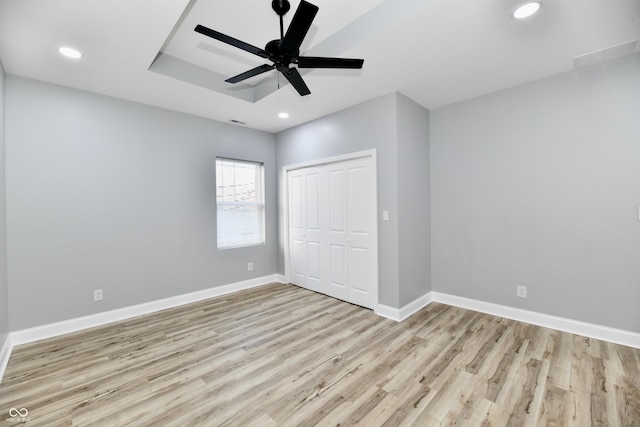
(240, 202)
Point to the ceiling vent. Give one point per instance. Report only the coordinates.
(607, 54)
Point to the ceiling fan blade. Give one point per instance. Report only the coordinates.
(295, 79)
(230, 40)
(299, 27)
(253, 72)
(321, 62)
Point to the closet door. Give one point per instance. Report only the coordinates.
(331, 220)
(305, 233)
(335, 212)
(360, 224)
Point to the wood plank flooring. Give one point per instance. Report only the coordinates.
(280, 355)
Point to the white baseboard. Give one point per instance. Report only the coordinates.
(388, 312)
(604, 333)
(5, 354)
(616, 336)
(400, 314)
(73, 325)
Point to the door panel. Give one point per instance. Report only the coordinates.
(295, 201)
(337, 206)
(297, 256)
(358, 206)
(361, 214)
(359, 266)
(314, 269)
(312, 187)
(297, 265)
(313, 233)
(337, 285)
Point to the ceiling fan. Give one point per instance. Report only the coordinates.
(285, 51)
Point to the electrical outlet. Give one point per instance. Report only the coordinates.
(521, 291)
(250, 266)
(97, 295)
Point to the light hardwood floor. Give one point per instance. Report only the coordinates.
(284, 356)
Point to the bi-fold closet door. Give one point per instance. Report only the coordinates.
(331, 222)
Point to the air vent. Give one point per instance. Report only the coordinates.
(238, 122)
(607, 54)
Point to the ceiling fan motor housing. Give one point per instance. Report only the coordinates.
(281, 55)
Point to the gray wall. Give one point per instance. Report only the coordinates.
(4, 291)
(539, 185)
(104, 193)
(414, 208)
(372, 124)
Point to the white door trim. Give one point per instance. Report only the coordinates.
(284, 187)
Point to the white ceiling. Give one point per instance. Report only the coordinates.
(434, 51)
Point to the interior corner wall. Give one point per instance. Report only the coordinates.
(398, 128)
(108, 194)
(4, 289)
(539, 185)
(369, 125)
(414, 209)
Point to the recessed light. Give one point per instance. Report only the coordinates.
(526, 10)
(283, 115)
(70, 52)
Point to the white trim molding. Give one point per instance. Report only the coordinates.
(616, 336)
(5, 354)
(400, 314)
(73, 325)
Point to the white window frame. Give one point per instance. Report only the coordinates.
(259, 204)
